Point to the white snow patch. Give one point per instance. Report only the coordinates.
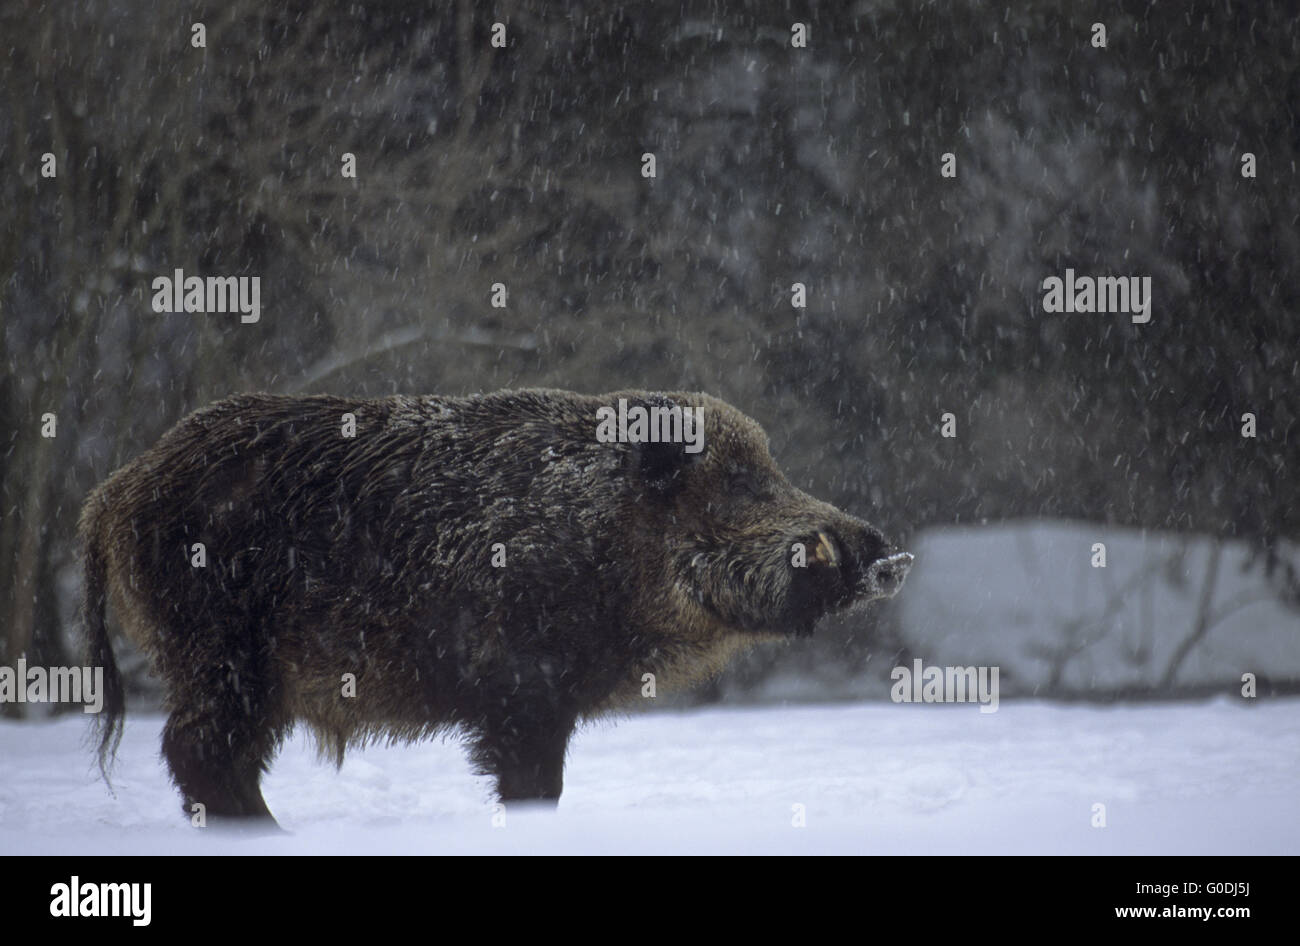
(1025, 597)
(1216, 777)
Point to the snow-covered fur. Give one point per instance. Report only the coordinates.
(483, 563)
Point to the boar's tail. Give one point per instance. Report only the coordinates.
(99, 649)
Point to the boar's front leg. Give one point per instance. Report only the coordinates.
(524, 749)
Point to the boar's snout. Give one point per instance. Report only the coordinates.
(868, 567)
(885, 576)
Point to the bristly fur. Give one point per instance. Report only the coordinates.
(372, 555)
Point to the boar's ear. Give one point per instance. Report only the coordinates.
(661, 464)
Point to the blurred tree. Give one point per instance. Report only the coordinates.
(521, 165)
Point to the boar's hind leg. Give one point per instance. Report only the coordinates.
(218, 743)
(525, 751)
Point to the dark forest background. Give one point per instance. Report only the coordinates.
(775, 165)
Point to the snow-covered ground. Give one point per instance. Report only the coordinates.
(1216, 777)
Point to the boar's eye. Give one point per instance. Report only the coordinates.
(745, 483)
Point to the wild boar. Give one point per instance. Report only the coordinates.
(393, 568)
